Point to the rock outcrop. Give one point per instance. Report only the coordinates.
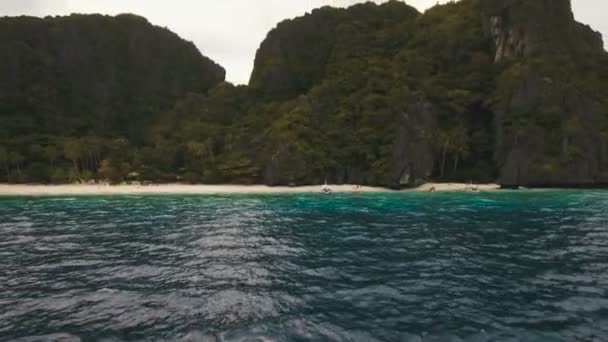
(472, 90)
(94, 73)
(299, 53)
(294, 55)
(523, 29)
(551, 123)
(412, 161)
(549, 130)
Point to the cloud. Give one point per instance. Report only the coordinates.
(30, 7)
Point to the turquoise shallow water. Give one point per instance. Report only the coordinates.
(502, 266)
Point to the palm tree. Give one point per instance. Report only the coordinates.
(453, 141)
(16, 159)
(51, 154)
(443, 140)
(5, 161)
(460, 148)
(72, 150)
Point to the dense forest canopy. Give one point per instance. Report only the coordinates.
(481, 90)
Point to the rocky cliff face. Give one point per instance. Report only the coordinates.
(330, 59)
(293, 56)
(550, 115)
(412, 161)
(544, 93)
(522, 29)
(480, 90)
(563, 143)
(94, 73)
(300, 53)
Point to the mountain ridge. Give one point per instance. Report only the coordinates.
(476, 90)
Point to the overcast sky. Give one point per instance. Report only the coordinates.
(230, 31)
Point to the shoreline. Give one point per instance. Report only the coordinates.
(187, 189)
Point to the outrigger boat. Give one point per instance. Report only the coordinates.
(326, 189)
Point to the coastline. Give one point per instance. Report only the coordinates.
(187, 189)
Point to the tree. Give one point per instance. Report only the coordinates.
(443, 141)
(460, 144)
(51, 153)
(91, 154)
(373, 94)
(4, 161)
(16, 159)
(72, 150)
(197, 152)
(452, 141)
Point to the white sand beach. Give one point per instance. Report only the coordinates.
(105, 189)
(442, 187)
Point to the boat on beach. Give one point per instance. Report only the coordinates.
(326, 189)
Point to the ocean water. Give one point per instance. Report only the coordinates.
(500, 266)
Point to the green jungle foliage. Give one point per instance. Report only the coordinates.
(372, 94)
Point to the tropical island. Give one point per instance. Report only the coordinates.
(507, 91)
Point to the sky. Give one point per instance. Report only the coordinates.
(230, 31)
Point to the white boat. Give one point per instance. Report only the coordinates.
(326, 189)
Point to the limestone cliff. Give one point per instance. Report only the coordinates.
(299, 53)
(514, 91)
(94, 73)
(523, 29)
(543, 103)
(551, 116)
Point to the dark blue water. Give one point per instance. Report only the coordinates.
(503, 266)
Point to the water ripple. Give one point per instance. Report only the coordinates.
(503, 266)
